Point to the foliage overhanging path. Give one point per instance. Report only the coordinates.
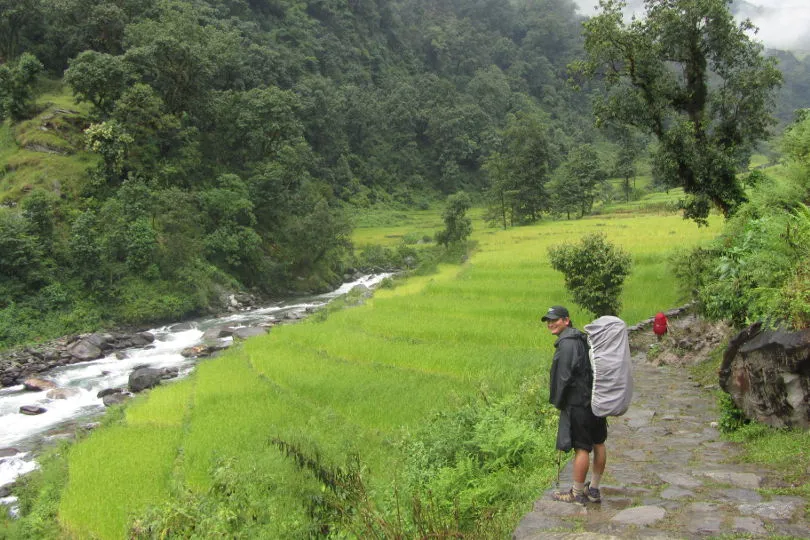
(670, 474)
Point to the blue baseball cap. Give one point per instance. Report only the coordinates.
(554, 313)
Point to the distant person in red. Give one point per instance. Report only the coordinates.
(660, 325)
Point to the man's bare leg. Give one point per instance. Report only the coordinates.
(582, 461)
(599, 462)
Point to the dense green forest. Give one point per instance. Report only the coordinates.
(228, 139)
(206, 146)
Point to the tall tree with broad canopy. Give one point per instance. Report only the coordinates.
(688, 74)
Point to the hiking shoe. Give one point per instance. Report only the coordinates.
(592, 494)
(569, 497)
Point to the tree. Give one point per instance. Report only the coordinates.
(457, 226)
(23, 262)
(16, 18)
(594, 272)
(631, 145)
(580, 176)
(689, 75)
(519, 171)
(98, 78)
(111, 140)
(16, 86)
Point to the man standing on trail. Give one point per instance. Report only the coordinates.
(570, 392)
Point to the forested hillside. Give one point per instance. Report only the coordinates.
(215, 145)
(158, 153)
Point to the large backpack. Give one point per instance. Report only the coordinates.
(611, 365)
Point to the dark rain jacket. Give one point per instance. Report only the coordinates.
(570, 381)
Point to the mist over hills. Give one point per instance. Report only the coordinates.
(782, 23)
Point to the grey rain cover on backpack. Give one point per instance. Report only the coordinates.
(611, 364)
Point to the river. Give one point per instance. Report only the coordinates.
(21, 435)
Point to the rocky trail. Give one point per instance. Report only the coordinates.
(670, 474)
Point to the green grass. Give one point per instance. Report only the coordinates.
(758, 160)
(362, 380)
(116, 472)
(390, 227)
(785, 451)
(46, 151)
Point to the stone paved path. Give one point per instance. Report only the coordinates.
(670, 475)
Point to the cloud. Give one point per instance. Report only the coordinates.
(782, 24)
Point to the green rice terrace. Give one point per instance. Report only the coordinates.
(370, 416)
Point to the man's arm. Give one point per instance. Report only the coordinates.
(562, 372)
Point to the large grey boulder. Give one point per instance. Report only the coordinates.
(85, 349)
(767, 374)
(144, 377)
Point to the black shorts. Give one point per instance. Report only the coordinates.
(586, 428)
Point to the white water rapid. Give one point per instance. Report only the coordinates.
(21, 434)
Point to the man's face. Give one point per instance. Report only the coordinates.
(555, 326)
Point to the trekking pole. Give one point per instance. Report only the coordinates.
(559, 459)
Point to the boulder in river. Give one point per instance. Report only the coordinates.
(84, 350)
(249, 331)
(143, 378)
(62, 393)
(767, 374)
(38, 385)
(108, 391)
(115, 399)
(206, 349)
(32, 410)
(218, 332)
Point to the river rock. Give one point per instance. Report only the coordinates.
(183, 326)
(32, 410)
(38, 385)
(197, 351)
(8, 452)
(5, 490)
(116, 399)
(218, 332)
(143, 378)
(62, 393)
(141, 339)
(249, 331)
(767, 375)
(109, 391)
(84, 350)
(20, 364)
(206, 349)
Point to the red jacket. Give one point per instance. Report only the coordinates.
(660, 324)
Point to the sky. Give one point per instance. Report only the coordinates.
(783, 24)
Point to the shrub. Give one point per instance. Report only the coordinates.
(457, 226)
(16, 86)
(731, 418)
(234, 507)
(594, 272)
